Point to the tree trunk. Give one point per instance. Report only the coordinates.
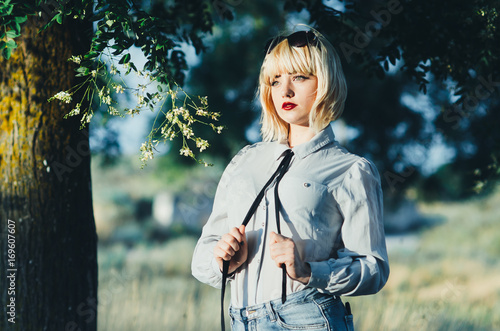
(48, 260)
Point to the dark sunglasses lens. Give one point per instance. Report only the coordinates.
(271, 43)
(297, 39)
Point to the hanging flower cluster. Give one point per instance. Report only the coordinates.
(106, 82)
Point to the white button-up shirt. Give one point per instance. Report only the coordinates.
(331, 206)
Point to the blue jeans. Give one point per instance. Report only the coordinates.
(304, 310)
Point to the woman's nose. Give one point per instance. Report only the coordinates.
(287, 91)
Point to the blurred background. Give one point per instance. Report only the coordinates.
(435, 147)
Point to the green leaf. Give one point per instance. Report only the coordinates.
(99, 46)
(125, 59)
(87, 63)
(43, 28)
(90, 55)
(9, 11)
(21, 19)
(82, 71)
(16, 27)
(11, 44)
(2, 44)
(59, 18)
(6, 52)
(12, 34)
(160, 89)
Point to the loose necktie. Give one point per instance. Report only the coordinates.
(278, 175)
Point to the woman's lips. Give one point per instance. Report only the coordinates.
(288, 105)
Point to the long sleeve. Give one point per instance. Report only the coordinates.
(203, 265)
(361, 266)
(331, 206)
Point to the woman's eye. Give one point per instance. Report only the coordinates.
(275, 83)
(300, 77)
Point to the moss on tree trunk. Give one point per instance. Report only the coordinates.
(45, 187)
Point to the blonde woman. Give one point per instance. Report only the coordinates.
(311, 211)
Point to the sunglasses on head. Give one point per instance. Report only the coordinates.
(296, 39)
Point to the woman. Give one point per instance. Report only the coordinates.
(317, 233)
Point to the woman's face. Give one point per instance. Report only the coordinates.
(293, 97)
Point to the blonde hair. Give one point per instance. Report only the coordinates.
(320, 60)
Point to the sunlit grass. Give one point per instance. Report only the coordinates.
(449, 281)
(151, 288)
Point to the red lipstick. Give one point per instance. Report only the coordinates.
(288, 105)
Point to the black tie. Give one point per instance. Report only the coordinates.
(278, 175)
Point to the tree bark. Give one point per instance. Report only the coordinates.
(46, 211)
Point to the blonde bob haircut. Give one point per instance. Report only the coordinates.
(320, 60)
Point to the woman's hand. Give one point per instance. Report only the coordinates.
(284, 251)
(232, 246)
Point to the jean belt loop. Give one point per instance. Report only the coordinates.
(270, 312)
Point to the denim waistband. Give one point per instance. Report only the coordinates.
(268, 308)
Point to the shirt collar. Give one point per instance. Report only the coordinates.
(323, 138)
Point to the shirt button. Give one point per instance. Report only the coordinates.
(264, 207)
(307, 184)
(263, 224)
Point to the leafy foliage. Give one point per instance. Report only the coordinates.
(120, 25)
(448, 50)
(450, 39)
(11, 18)
(448, 47)
(380, 74)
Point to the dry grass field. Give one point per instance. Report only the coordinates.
(445, 277)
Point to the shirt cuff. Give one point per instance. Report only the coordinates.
(320, 275)
(215, 267)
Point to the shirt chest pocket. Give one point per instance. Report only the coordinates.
(311, 213)
(303, 198)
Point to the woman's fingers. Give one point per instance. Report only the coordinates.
(230, 243)
(284, 252)
(282, 248)
(242, 233)
(224, 250)
(238, 234)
